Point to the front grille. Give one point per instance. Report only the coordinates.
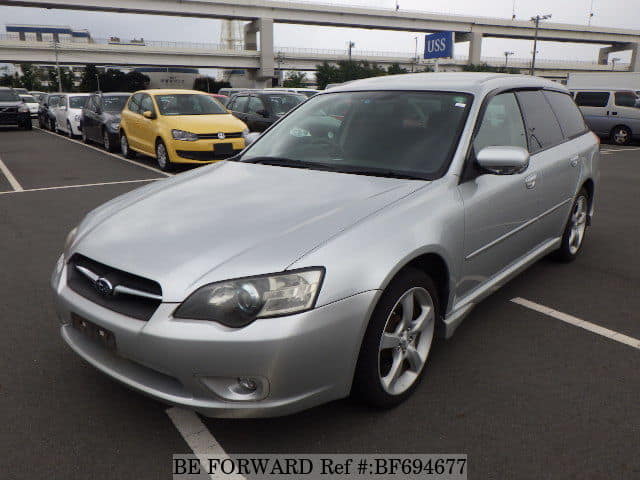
(214, 136)
(205, 155)
(131, 305)
(8, 110)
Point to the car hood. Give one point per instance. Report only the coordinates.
(224, 122)
(228, 220)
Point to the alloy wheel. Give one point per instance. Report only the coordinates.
(621, 136)
(161, 154)
(578, 224)
(406, 341)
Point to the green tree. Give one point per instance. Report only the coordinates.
(135, 81)
(89, 81)
(346, 70)
(484, 67)
(295, 80)
(7, 80)
(112, 80)
(30, 78)
(396, 69)
(209, 84)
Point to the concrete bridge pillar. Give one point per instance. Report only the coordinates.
(267, 63)
(635, 58)
(475, 48)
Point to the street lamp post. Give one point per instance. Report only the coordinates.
(536, 20)
(280, 59)
(415, 56)
(351, 45)
(613, 63)
(506, 58)
(55, 49)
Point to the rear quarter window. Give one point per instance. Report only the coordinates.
(571, 120)
(592, 99)
(542, 126)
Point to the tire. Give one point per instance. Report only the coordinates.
(41, 123)
(575, 230)
(621, 135)
(28, 125)
(70, 130)
(393, 338)
(162, 157)
(107, 143)
(53, 126)
(124, 147)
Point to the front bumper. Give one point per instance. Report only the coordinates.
(307, 359)
(201, 151)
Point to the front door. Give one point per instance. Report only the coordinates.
(498, 208)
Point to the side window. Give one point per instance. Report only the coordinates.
(240, 105)
(626, 99)
(571, 120)
(502, 124)
(146, 104)
(53, 101)
(255, 105)
(592, 99)
(134, 104)
(542, 126)
(91, 104)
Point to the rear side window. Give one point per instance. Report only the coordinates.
(134, 103)
(240, 104)
(627, 99)
(592, 99)
(542, 127)
(568, 114)
(502, 124)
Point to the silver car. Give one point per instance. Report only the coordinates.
(325, 258)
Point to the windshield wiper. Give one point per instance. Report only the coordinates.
(288, 162)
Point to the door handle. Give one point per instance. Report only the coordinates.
(575, 161)
(530, 181)
(614, 113)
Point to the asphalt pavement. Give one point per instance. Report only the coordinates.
(523, 394)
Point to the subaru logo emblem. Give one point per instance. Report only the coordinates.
(221, 136)
(104, 287)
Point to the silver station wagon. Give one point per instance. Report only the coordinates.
(326, 257)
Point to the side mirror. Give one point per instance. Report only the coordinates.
(263, 113)
(250, 138)
(503, 160)
(149, 114)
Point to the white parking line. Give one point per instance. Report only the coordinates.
(613, 150)
(78, 186)
(198, 438)
(119, 157)
(575, 321)
(12, 180)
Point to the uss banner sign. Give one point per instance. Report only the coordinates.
(438, 45)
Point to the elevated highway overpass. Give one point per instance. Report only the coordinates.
(202, 55)
(262, 14)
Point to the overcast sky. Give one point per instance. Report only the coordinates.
(620, 13)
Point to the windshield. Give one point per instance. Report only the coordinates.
(114, 103)
(388, 133)
(77, 102)
(188, 104)
(8, 96)
(28, 99)
(281, 104)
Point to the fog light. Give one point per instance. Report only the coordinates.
(238, 389)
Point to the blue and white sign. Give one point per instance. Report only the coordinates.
(438, 45)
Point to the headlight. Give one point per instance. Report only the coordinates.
(237, 303)
(76, 118)
(245, 132)
(185, 136)
(115, 126)
(23, 109)
(69, 241)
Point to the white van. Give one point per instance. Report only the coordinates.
(613, 114)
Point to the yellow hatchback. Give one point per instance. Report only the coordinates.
(179, 126)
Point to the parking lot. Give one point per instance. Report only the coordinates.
(523, 391)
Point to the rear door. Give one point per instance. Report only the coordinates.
(557, 153)
(595, 108)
